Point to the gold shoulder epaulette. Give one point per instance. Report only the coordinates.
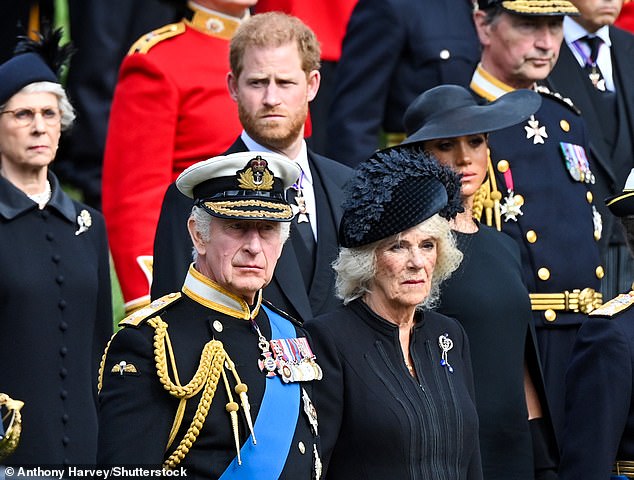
(152, 310)
(147, 41)
(617, 305)
(544, 90)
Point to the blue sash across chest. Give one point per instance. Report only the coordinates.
(275, 424)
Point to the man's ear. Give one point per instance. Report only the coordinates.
(196, 237)
(479, 18)
(232, 86)
(313, 81)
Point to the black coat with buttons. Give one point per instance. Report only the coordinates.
(394, 50)
(55, 319)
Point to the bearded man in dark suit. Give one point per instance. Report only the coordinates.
(274, 75)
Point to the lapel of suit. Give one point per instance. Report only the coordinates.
(334, 192)
(623, 67)
(287, 276)
(568, 73)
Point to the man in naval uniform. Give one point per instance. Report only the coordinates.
(543, 177)
(170, 110)
(274, 75)
(598, 437)
(595, 69)
(213, 379)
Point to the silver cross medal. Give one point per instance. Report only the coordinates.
(301, 204)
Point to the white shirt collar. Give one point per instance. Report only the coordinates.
(573, 32)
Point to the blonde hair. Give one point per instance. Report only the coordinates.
(356, 267)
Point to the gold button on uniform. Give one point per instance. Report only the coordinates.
(597, 236)
(302, 448)
(565, 126)
(550, 315)
(543, 273)
(218, 326)
(519, 200)
(503, 166)
(531, 236)
(589, 197)
(599, 271)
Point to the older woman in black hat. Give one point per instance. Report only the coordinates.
(397, 396)
(487, 294)
(55, 305)
(598, 437)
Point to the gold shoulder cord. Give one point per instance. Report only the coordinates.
(213, 362)
(487, 199)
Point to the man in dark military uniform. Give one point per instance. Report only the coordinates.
(542, 173)
(213, 379)
(598, 436)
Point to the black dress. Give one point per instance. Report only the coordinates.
(376, 420)
(55, 320)
(488, 297)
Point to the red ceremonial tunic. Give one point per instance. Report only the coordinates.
(171, 109)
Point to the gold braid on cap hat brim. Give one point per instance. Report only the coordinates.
(540, 7)
(230, 208)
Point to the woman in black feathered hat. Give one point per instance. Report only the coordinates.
(55, 306)
(487, 294)
(396, 399)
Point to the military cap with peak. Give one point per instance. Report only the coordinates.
(243, 186)
(622, 205)
(532, 7)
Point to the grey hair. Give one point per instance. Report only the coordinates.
(66, 109)
(356, 267)
(202, 224)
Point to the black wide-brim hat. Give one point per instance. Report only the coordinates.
(557, 8)
(394, 190)
(622, 205)
(242, 186)
(449, 111)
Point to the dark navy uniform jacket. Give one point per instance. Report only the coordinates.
(394, 50)
(558, 230)
(599, 410)
(136, 412)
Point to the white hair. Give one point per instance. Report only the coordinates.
(202, 224)
(356, 267)
(66, 110)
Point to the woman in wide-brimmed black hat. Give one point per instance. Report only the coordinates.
(487, 294)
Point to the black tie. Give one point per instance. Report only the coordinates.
(307, 245)
(594, 43)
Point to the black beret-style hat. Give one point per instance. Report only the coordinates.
(394, 190)
(34, 61)
(243, 186)
(449, 111)
(533, 7)
(622, 205)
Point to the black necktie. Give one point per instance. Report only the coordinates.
(307, 245)
(591, 67)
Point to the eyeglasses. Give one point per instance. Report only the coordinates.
(26, 116)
